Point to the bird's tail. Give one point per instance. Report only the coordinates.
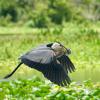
(7, 76)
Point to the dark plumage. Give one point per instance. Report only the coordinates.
(50, 59)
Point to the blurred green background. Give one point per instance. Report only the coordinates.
(47, 13)
(25, 24)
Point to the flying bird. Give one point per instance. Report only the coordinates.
(50, 59)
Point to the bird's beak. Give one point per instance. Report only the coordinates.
(68, 51)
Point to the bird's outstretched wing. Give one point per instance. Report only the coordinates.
(38, 58)
(35, 59)
(43, 59)
(66, 63)
(55, 73)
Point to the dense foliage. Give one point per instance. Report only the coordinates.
(44, 13)
(34, 89)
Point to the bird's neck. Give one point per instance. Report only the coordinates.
(59, 53)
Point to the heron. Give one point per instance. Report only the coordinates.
(52, 60)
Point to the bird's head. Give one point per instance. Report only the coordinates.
(60, 48)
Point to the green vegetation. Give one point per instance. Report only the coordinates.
(83, 39)
(35, 89)
(47, 13)
(25, 24)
